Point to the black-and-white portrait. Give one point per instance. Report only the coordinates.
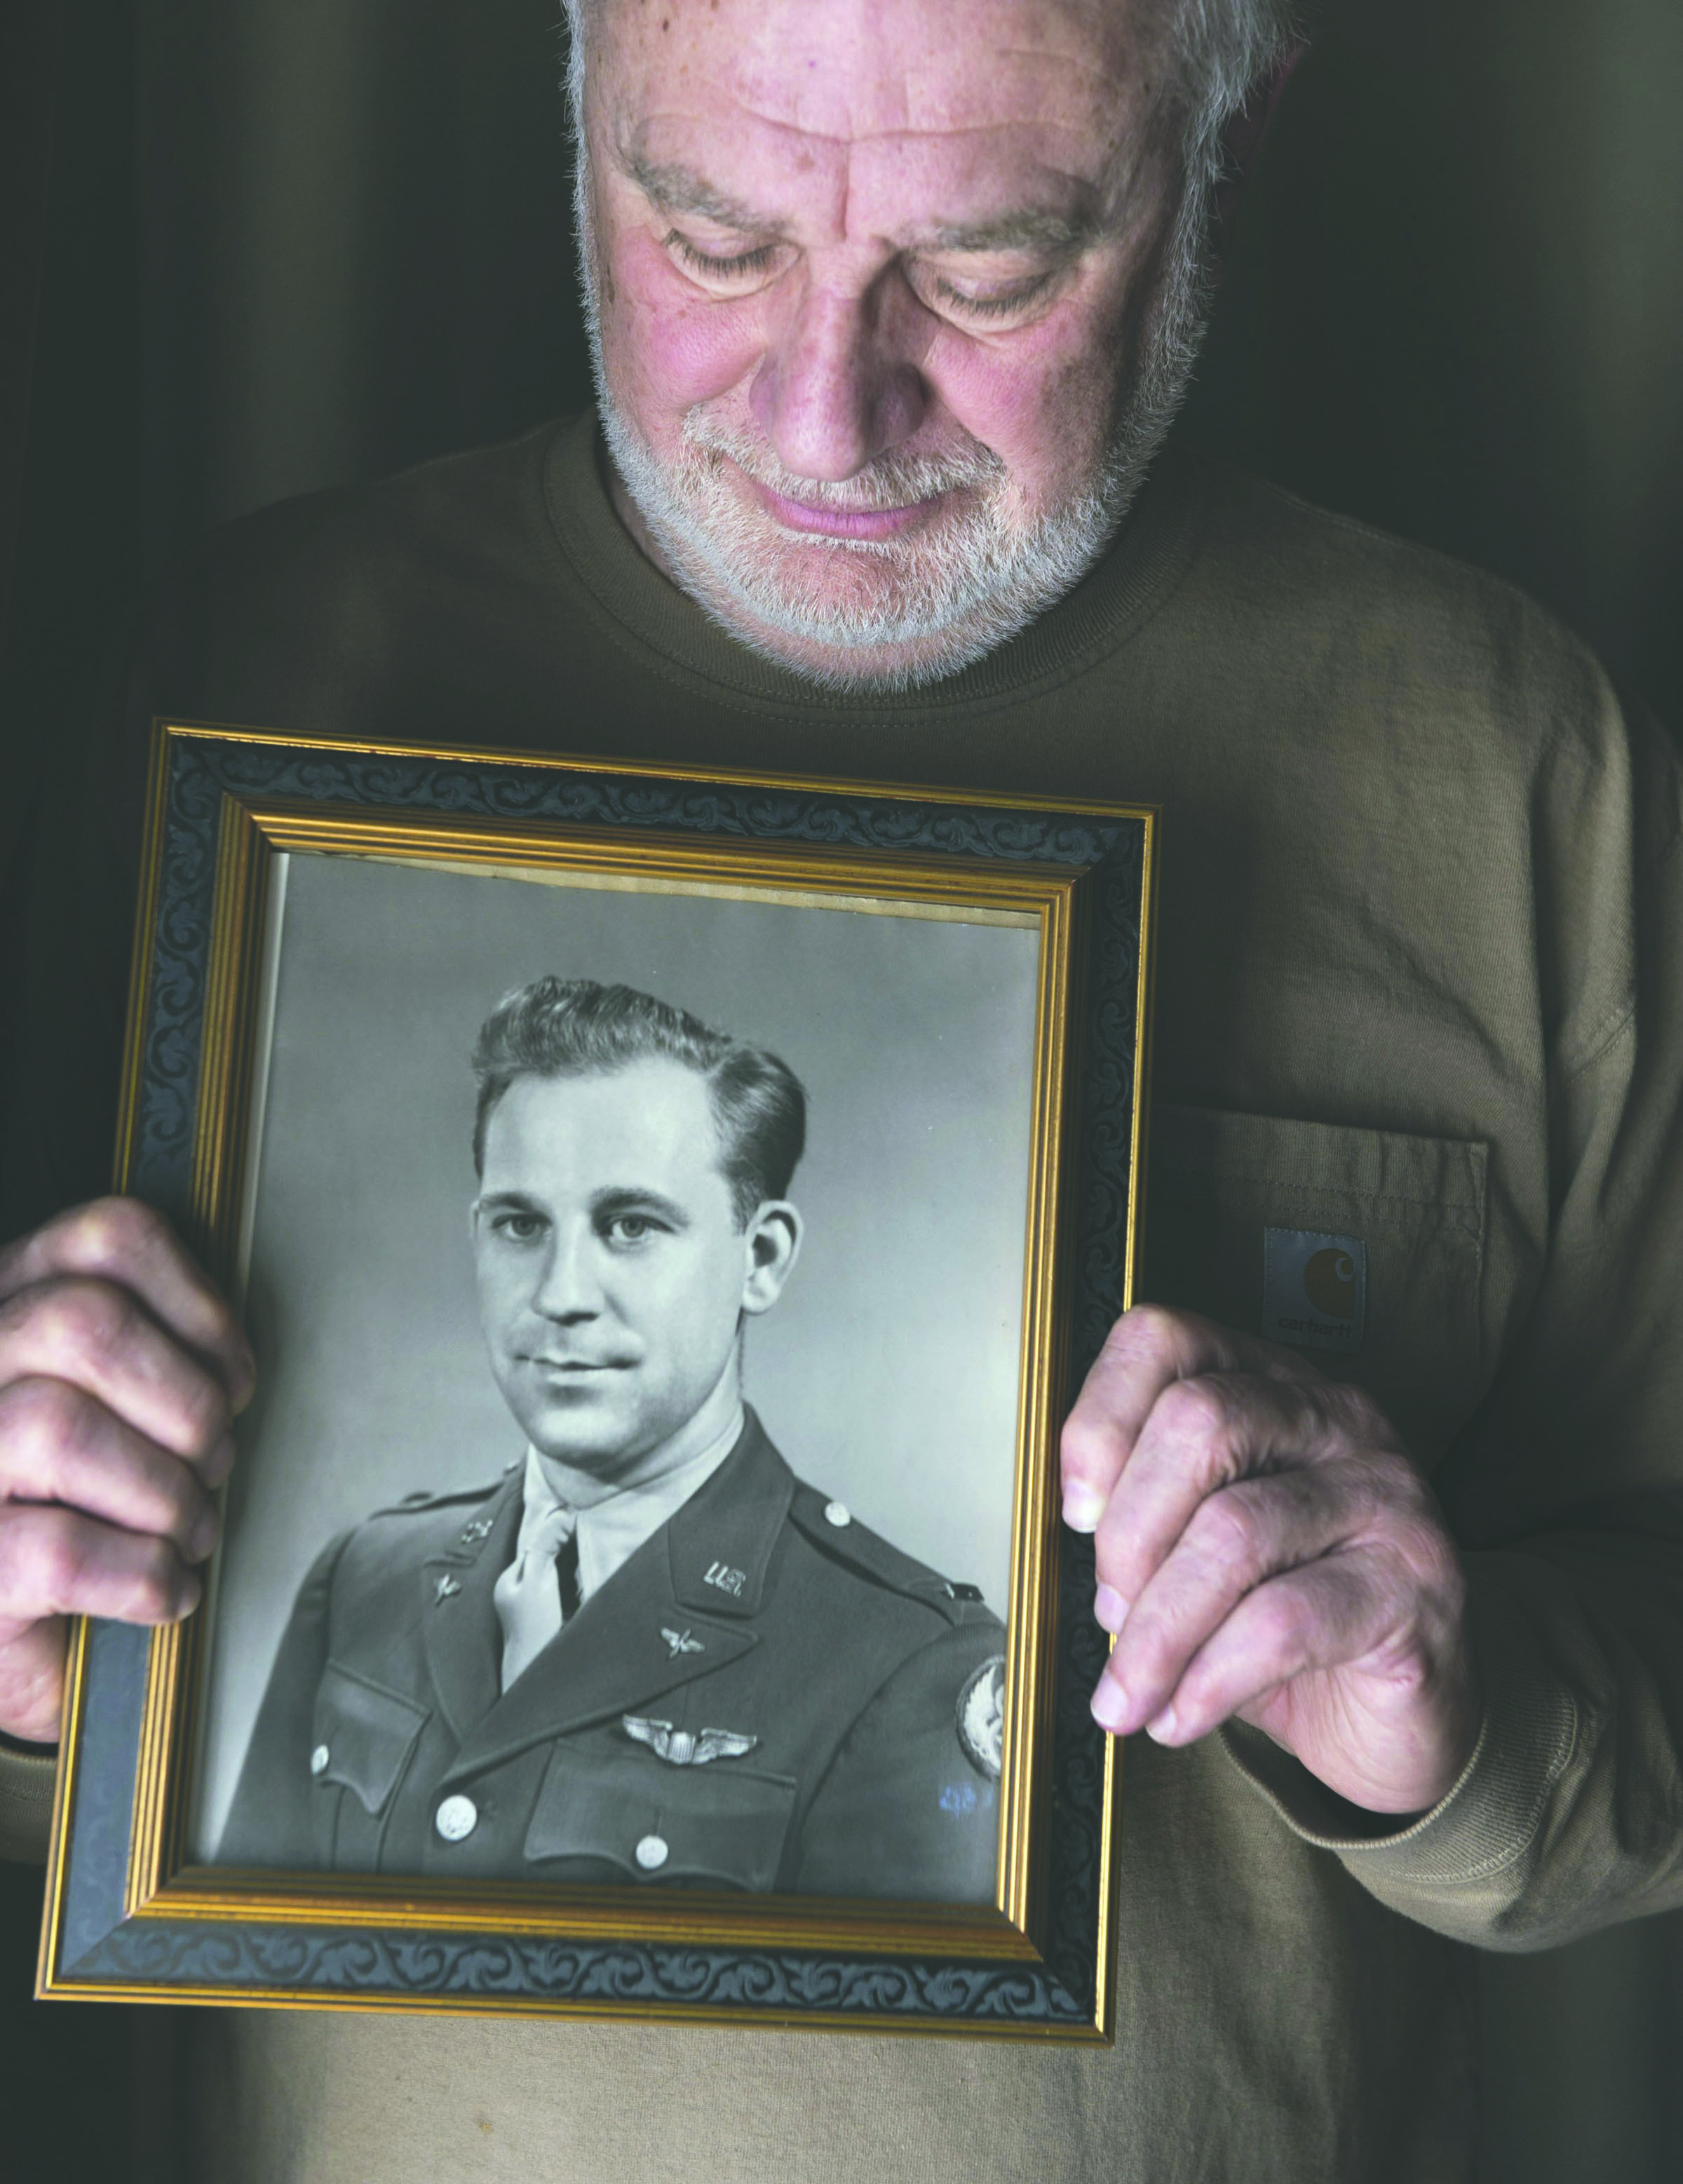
(628, 1500)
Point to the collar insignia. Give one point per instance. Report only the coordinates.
(680, 1641)
(683, 1747)
(479, 1529)
(448, 1587)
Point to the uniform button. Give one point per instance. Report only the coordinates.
(652, 1853)
(456, 1817)
(319, 1758)
(837, 1513)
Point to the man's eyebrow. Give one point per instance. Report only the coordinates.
(682, 190)
(678, 189)
(515, 1202)
(1061, 234)
(631, 1198)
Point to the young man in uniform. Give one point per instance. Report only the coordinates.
(649, 1652)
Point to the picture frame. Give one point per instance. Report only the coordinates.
(413, 856)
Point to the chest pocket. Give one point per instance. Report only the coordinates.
(1220, 1182)
(711, 1826)
(364, 1736)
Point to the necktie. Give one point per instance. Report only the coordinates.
(529, 1593)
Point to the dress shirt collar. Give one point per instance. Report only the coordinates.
(611, 1529)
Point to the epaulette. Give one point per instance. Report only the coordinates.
(418, 1503)
(835, 1531)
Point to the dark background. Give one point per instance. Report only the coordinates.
(252, 246)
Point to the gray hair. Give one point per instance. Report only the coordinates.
(1221, 52)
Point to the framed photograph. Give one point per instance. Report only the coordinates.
(671, 1211)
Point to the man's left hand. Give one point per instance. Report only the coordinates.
(1267, 1550)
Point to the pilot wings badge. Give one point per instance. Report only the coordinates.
(685, 1747)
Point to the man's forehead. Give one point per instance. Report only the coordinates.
(657, 1112)
(848, 72)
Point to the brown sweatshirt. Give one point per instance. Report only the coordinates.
(1420, 984)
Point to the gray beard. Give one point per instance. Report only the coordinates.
(949, 594)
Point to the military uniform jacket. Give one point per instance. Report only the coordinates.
(765, 1696)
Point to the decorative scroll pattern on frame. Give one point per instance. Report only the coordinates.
(463, 1968)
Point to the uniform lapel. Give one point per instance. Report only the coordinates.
(719, 1545)
(463, 1637)
(657, 1623)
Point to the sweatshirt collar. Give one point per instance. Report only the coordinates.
(650, 616)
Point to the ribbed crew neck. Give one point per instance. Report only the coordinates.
(667, 632)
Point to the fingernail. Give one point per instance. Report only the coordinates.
(190, 1594)
(201, 1542)
(1082, 1508)
(219, 1461)
(1164, 1728)
(1111, 1608)
(1110, 1705)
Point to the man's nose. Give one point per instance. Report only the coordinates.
(569, 1289)
(839, 384)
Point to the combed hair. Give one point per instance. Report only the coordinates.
(576, 1027)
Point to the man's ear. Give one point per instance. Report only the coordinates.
(772, 1243)
(1242, 143)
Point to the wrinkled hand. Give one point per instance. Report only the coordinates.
(120, 1371)
(1265, 1549)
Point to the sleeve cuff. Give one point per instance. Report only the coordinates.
(26, 1780)
(1489, 1818)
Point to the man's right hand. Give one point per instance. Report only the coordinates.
(121, 1371)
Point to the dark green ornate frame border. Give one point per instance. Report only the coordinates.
(92, 1948)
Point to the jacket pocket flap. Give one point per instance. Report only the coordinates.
(715, 1825)
(363, 1735)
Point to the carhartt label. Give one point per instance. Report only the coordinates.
(1314, 1289)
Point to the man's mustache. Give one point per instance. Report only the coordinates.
(895, 480)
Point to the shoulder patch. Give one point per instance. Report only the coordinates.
(838, 1534)
(979, 1717)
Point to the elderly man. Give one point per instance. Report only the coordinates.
(649, 1652)
(892, 303)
